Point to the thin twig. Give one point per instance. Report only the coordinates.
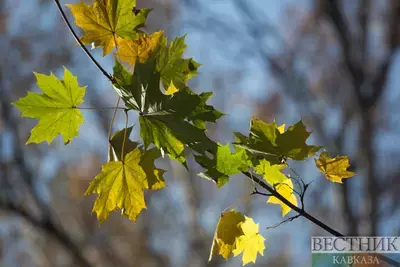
(284, 221)
(80, 42)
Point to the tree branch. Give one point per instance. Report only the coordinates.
(308, 216)
(343, 33)
(393, 39)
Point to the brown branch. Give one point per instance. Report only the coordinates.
(393, 39)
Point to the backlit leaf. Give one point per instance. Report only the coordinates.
(235, 234)
(121, 185)
(285, 188)
(141, 49)
(226, 233)
(250, 243)
(56, 109)
(223, 165)
(172, 66)
(107, 20)
(334, 169)
(271, 173)
(272, 142)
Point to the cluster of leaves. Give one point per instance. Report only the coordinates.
(172, 117)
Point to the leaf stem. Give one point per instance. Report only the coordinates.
(80, 42)
(124, 140)
(303, 213)
(107, 108)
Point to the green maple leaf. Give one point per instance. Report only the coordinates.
(56, 109)
(164, 119)
(224, 164)
(172, 66)
(271, 142)
(121, 184)
(107, 20)
(292, 143)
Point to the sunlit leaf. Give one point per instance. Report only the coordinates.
(141, 49)
(250, 243)
(271, 173)
(121, 184)
(56, 109)
(107, 20)
(334, 169)
(285, 188)
(235, 234)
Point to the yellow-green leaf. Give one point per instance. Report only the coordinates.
(235, 234)
(226, 233)
(250, 243)
(142, 48)
(334, 169)
(284, 188)
(271, 173)
(121, 185)
(56, 109)
(107, 20)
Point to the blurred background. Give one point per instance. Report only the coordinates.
(333, 63)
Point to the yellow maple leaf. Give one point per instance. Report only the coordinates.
(121, 185)
(286, 190)
(235, 234)
(334, 169)
(250, 243)
(106, 20)
(226, 233)
(142, 48)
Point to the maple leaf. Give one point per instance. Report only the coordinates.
(172, 66)
(56, 109)
(121, 184)
(271, 141)
(250, 243)
(271, 173)
(224, 164)
(235, 234)
(141, 49)
(292, 143)
(334, 169)
(107, 20)
(164, 119)
(225, 234)
(154, 175)
(284, 188)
